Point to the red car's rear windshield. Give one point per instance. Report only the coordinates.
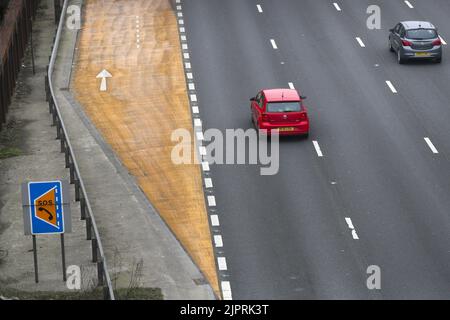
(285, 106)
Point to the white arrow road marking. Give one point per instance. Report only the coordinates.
(103, 75)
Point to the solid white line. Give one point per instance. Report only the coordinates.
(215, 220)
(361, 43)
(183, 38)
(317, 147)
(180, 14)
(226, 290)
(222, 262)
(187, 65)
(391, 86)
(337, 6)
(218, 241)
(181, 22)
(178, 7)
(202, 150)
(182, 29)
(184, 46)
(274, 45)
(431, 145)
(443, 41)
(208, 183)
(193, 97)
(409, 4)
(291, 85)
(260, 10)
(195, 110)
(191, 86)
(189, 75)
(186, 55)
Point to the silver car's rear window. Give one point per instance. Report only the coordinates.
(288, 106)
(421, 34)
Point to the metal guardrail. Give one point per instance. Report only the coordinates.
(92, 233)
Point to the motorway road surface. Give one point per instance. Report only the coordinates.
(286, 236)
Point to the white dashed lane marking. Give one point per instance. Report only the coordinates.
(218, 241)
(391, 86)
(351, 227)
(431, 145)
(208, 183)
(222, 262)
(205, 166)
(200, 135)
(291, 85)
(215, 220)
(197, 122)
(337, 6)
(361, 43)
(211, 201)
(274, 44)
(317, 147)
(226, 290)
(409, 4)
(258, 6)
(443, 41)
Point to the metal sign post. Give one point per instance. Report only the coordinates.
(46, 210)
(36, 274)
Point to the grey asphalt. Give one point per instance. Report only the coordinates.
(285, 236)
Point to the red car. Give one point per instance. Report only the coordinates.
(280, 109)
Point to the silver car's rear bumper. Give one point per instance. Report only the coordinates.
(409, 53)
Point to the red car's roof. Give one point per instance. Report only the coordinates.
(281, 95)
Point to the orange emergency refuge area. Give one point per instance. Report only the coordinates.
(144, 101)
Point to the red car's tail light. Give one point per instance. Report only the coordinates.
(437, 42)
(406, 43)
(303, 116)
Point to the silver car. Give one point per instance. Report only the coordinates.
(415, 40)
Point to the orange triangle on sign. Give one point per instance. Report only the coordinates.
(45, 207)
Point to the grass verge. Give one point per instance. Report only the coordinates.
(9, 152)
(96, 294)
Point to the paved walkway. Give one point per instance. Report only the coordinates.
(29, 130)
